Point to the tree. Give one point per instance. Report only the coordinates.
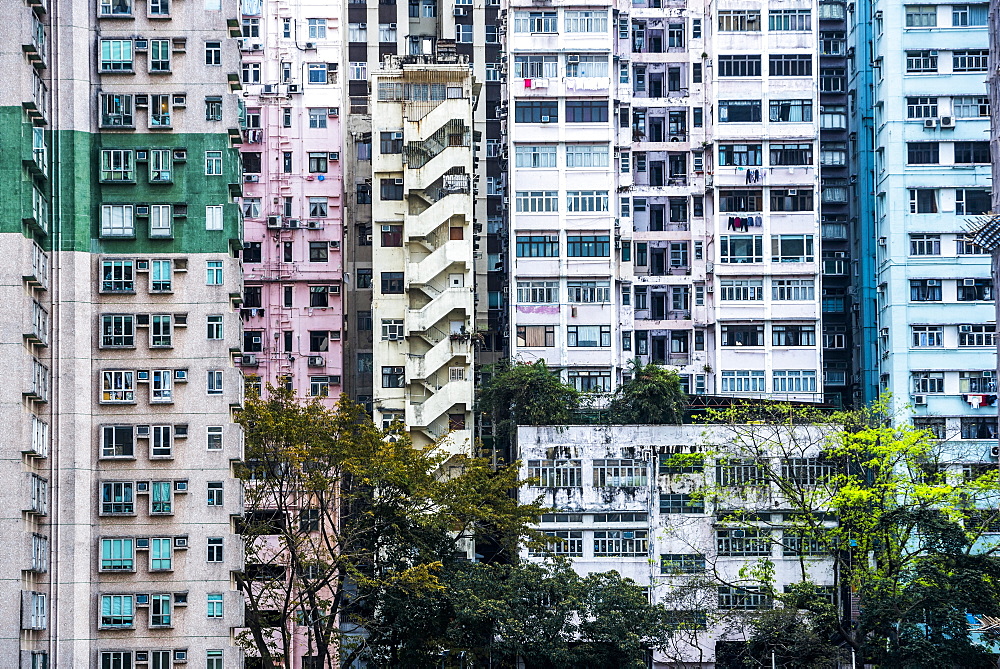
(652, 396)
(526, 394)
(902, 517)
(340, 516)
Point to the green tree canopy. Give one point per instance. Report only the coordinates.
(652, 396)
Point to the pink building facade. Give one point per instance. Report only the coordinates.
(293, 314)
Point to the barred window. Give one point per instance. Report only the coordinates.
(568, 543)
(790, 65)
(741, 290)
(742, 381)
(807, 471)
(587, 200)
(621, 543)
(741, 599)
(620, 473)
(789, 19)
(673, 503)
(743, 542)
(682, 563)
(739, 21)
(970, 60)
(741, 472)
(740, 65)
(556, 473)
(536, 201)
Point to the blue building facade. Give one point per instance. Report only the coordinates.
(922, 161)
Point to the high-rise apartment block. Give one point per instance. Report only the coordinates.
(121, 234)
(665, 195)
(926, 152)
(292, 195)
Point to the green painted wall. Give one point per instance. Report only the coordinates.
(80, 194)
(15, 179)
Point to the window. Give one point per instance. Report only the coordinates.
(357, 32)
(979, 428)
(975, 290)
(739, 111)
(391, 189)
(833, 116)
(214, 326)
(392, 283)
(251, 73)
(588, 335)
(921, 107)
(159, 55)
(463, 33)
(972, 152)
(386, 32)
(117, 220)
(116, 165)
(358, 70)
(536, 336)
(213, 109)
(791, 154)
(117, 276)
(117, 497)
(214, 605)
(392, 329)
(925, 245)
(921, 61)
(588, 292)
(742, 381)
(537, 156)
(789, 19)
(118, 386)
(925, 290)
(393, 377)
(585, 21)
(925, 153)
(318, 162)
(739, 21)
(790, 111)
(117, 441)
(556, 473)
(684, 563)
(927, 336)
(566, 543)
(790, 65)
(317, 28)
(214, 274)
(971, 106)
(585, 155)
(969, 15)
(161, 331)
(741, 200)
(588, 246)
(740, 155)
(977, 382)
(671, 503)
(392, 235)
(117, 611)
(537, 292)
(586, 111)
(213, 442)
(390, 142)
(970, 60)
(832, 43)
(742, 335)
(316, 73)
(213, 53)
(117, 555)
(214, 553)
(116, 55)
(161, 554)
(587, 66)
(159, 612)
(742, 249)
(741, 290)
(739, 66)
(976, 335)
(215, 382)
(833, 153)
(923, 201)
(117, 331)
(535, 22)
(586, 200)
(319, 252)
(793, 335)
(621, 543)
(536, 201)
(319, 386)
(921, 16)
(928, 382)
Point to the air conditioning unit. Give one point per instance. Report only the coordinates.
(460, 11)
(709, 289)
(545, 119)
(248, 360)
(257, 47)
(793, 191)
(316, 361)
(141, 44)
(244, 44)
(180, 155)
(142, 486)
(968, 282)
(995, 451)
(142, 101)
(884, 332)
(181, 432)
(294, 89)
(398, 182)
(251, 178)
(882, 241)
(274, 221)
(269, 89)
(987, 373)
(573, 58)
(292, 223)
(334, 290)
(397, 135)
(965, 328)
(141, 431)
(310, 45)
(180, 375)
(180, 542)
(335, 244)
(334, 112)
(920, 400)
(314, 225)
(930, 122)
(335, 155)
(933, 282)
(947, 121)
(142, 210)
(395, 337)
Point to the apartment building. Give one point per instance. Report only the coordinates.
(930, 163)
(427, 29)
(657, 211)
(424, 302)
(292, 195)
(121, 236)
(622, 499)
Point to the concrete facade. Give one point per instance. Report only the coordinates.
(292, 192)
(121, 233)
